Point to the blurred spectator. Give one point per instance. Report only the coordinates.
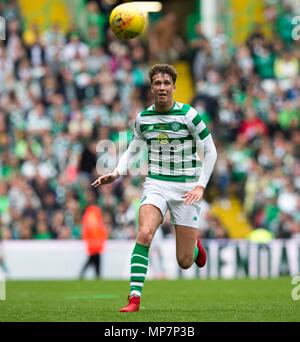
(42, 231)
(284, 23)
(125, 219)
(166, 44)
(216, 230)
(264, 61)
(94, 234)
(4, 199)
(222, 172)
(286, 67)
(75, 48)
(201, 54)
(260, 235)
(95, 23)
(287, 199)
(252, 126)
(11, 11)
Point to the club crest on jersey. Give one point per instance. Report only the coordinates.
(163, 139)
(175, 126)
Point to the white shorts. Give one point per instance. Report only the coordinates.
(168, 195)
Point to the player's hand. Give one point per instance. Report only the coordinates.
(194, 195)
(106, 179)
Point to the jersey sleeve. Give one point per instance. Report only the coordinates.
(209, 161)
(205, 146)
(196, 125)
(137, 134)
(136, 141)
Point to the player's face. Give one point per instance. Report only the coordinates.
(163, 88)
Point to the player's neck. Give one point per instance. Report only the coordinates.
(162, 108)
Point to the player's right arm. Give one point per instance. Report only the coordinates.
(122, 166)
(106, 179)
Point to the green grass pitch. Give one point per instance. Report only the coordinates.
(162, 301)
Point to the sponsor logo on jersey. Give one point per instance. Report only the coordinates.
(163, 139)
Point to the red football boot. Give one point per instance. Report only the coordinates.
(201, 257)
(133, 304)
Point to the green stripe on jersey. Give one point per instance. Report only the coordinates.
(182, 139)
(182, 111)
(171, 165)
(152, 112)
(185, 108)
(203, 134)
(173, 178)
(197, 119)
(170, 126)
(149, 112)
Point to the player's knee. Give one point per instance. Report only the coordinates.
(185, 262)
(145, 236)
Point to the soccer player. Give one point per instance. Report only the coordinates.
(181, 158)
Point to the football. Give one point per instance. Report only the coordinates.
(127, 21)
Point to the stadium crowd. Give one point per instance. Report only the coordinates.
(62, 92)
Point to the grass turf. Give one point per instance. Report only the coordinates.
(162, 301)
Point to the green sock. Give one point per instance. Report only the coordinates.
(138, 268)
(196, 251)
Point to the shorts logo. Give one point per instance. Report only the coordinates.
(143, 199)
(163, 139)
(175, 126)
(195, 218)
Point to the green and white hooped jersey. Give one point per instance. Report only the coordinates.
(172, 139)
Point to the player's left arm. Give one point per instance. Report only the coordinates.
(206, 151)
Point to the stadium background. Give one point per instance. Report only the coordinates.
(67, 83)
